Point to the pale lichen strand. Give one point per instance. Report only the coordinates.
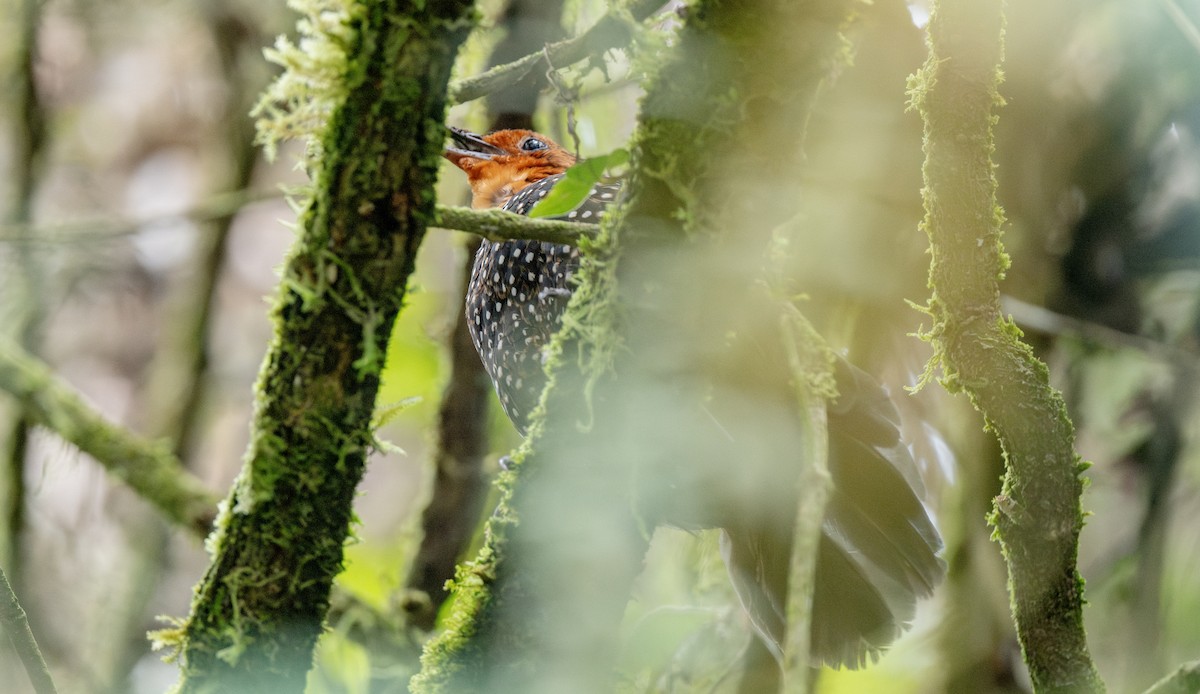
(297, 105)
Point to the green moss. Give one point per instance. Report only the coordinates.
(980, 351)
(258, 612)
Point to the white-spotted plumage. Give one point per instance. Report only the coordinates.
(518, 292)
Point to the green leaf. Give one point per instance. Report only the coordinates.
(575, 186)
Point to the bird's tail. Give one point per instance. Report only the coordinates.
(879, 549)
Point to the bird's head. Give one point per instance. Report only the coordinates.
(499, 165)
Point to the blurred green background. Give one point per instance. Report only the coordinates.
(138, 224)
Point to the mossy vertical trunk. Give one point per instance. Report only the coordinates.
(258, 612)
(1038, 515)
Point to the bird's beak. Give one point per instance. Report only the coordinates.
(468, 145)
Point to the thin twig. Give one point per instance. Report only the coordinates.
(1043, 320)
(494, 225)
(177, 381)
(459, 484)
(1185, 680)
(610, 31)
(98, 230)
(808, 361)
(16, 624)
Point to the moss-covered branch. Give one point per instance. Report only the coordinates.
(811, 375)
(1038, 516)
(498, 225)
(148, 467)
(610, 31)
(259, 609)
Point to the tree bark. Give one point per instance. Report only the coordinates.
(1038, 515)
(258, 612)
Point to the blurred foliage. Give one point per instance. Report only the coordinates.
(1100, 177)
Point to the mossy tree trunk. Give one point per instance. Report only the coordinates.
(1037, 516)
(258, 612)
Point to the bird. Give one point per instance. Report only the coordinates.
(879, 551)
(519, 289)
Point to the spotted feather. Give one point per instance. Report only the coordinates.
(517, 295)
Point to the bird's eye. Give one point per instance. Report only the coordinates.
(532, 144)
